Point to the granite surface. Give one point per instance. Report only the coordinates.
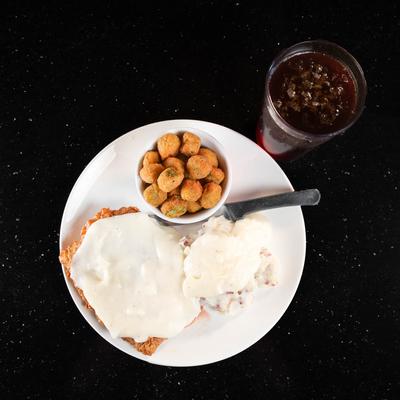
(75, 77)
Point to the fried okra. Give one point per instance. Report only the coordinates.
(174, 207)
(210, 155)
(190, 144)
(168, 145)
(149, 173)
(216, 175)
(183, 176)
(174, 162)
(193, 206)
(198, 167)
(154, 195)
(211, 195)
(151, 157)
(191, 190)
(169, 179)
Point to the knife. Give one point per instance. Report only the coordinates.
(237, 210)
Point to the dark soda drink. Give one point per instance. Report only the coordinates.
(314, 91)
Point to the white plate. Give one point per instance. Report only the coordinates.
(108, 181)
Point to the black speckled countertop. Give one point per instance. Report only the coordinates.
(73, 78)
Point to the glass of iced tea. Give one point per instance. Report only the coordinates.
(314, 91)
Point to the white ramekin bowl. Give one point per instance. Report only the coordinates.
(207, 140)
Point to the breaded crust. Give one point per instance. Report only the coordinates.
(151, 344)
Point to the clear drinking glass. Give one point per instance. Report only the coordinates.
(281, 139)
